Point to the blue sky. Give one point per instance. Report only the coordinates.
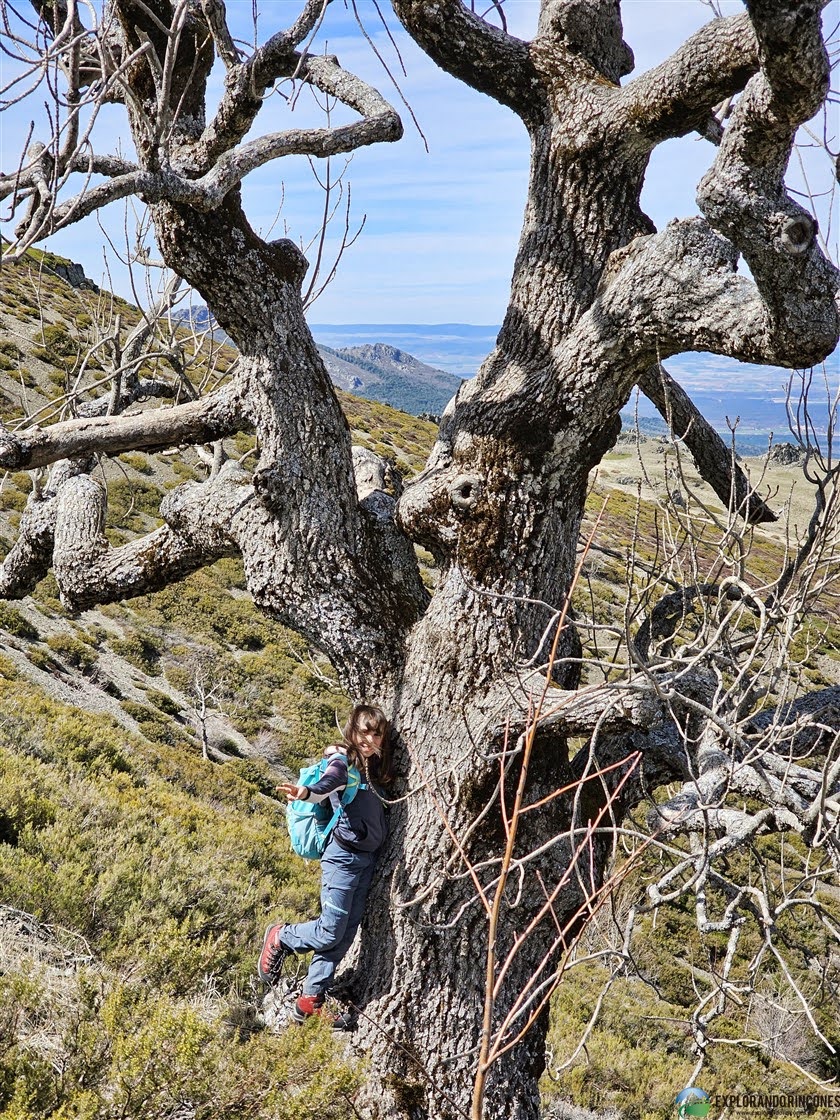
(441, 227)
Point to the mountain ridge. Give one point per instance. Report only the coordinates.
(375, 370)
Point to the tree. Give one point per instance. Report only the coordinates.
(598, 299)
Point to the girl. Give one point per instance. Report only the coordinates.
(347, 864)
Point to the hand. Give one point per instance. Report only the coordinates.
(293, 792)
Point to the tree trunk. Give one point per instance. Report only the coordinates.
(507, 485)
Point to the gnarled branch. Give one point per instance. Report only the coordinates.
(481, 55)
(200, 520)
(199, 421)
(714, 460)
(380, 123)
(676, 96)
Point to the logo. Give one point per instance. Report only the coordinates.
(693, 1102)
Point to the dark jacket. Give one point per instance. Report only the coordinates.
(361, 826)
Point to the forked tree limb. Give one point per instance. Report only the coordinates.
(743, 195)
(34, 169)
(201, 518)
(715, 461)
(247, 82)
(380, 123)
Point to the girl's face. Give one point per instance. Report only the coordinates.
(368, 741)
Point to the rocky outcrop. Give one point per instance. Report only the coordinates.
(72, 274)
(786, 454)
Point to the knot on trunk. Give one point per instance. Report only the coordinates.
(797, 234)
(289, 260)
(465, 491)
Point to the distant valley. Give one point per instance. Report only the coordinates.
(417, 367)
(724, 390)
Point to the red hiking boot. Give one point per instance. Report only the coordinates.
(273, 955)
(306, 1006)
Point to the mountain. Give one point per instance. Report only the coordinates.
(386, 373)
(725, 391)
(375, 370)
(457, 347)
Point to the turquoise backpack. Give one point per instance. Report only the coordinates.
(309, 822)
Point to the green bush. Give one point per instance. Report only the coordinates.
(59, 348)
(137, 711)
(164, 702)
(129, 500)
(46, 595)
(11, 498)
(255, 772)
(137, 462)
(72, 651)
(141, 649)
(14, 623)
(188, 472)
(166, 864)
(109, 1047)
(23, 481)
(161, 729)
(231, 573)
(41, 659)
(27, 800)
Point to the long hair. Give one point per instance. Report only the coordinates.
(367, 717)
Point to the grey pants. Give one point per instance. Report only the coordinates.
(345, 882)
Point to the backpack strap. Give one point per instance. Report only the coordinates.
(334, 819)
(332, 822)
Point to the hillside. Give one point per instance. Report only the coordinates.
(387, 374)
(136, 876)
(374, 370)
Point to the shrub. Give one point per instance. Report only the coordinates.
(41, 659)
(128, 500)
(187, 472)
(72, 651)
(14, 623)
(254, 771)
(11, 498)
(164, 702)
(137, 462)
(137, 711)
(161, 729)
(23, 481)
(59, 349)
(231, 573)
(141, 649)
(25, 801)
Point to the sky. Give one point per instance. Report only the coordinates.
(441, 227)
